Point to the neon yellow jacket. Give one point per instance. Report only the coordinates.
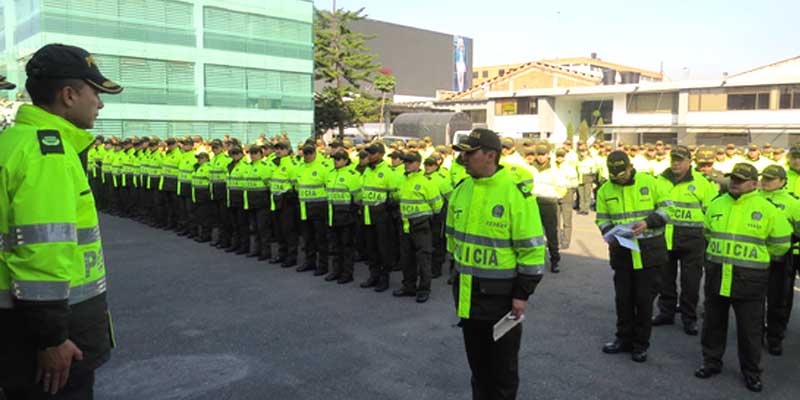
(494, 232)
(51, 248)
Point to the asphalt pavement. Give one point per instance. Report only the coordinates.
(193, 322)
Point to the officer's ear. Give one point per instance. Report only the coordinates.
(69, 92)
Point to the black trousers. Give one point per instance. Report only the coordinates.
(749, 317)
(260, 220)
(221, 220)
(78, 387)
(690, 263)
(342, 253)
(415, 255)
(241, 223)
(438, 241)
(380, 238)
(285, 221)
(634, 291)
(565, 218)
(202, 218)
(173, 209)
(494, 365)
(548, 209)
(780, 297)
(315, 236)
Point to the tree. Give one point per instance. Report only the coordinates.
(385, 83)
(570, 131)
(345, 65)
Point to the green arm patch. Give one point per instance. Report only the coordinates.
(50, 142)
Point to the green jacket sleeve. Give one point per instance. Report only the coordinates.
(527, 237)
(780, 234)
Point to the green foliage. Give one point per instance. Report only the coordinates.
(583, 130)
(344, 63)
(570, 131)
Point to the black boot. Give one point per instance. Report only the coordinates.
(383, 283)
(370, 282)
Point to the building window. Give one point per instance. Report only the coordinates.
(501, 72)
(485, 74)
(790, 97)
(748, 99)
(521, 106)
(228, 86)
(474, 75)
(257, 34)
(148, 21)
(708, 100)
(527, 106)
(149, 81)
(653, 103)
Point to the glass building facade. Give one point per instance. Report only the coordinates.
(199, 67)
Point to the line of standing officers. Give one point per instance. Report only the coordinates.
(245, 200)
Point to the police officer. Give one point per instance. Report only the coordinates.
(168, 186)
(548, 192)
(634, 200)
(258, 204)
(793, 171)
(442, 182)
(587, 175)
(185, 169)
(218, 173)
(780, 292)
(744, 232)
(311, 177)
(201, 197)
(705, 164)
(342, 188)
(690, 193)
(55, 325)
(284, 204)
(499, 261)
(236, 185)
(567, 178)
(379, 183)
(419, 201)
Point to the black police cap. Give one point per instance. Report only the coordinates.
(60, 61)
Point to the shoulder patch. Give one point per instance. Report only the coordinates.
(50, 142)
(525, 188)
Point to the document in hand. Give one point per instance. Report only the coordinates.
(505, 324)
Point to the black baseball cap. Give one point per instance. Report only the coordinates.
(412, 156)
(681, 152)
(375, 148)
(6, 85)
(617, 162)
(774, 172)
(60, 61)
(340, 155)
(744, 171)
(479, 138)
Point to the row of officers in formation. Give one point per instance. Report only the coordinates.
(393, 201)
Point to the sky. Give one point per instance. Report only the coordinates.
(694, 39)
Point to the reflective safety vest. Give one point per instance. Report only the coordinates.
(744, 233)
(379, 182)
(586, 166)
(342, 189)
(494, 233)
(219, 170)
(788, 203)
(625, 204)
(792, 183)
(118, 166)
(442, 182)
(154, 177)
(238, 180)
(186, 164)
(311, 178)
(200, 181)
(284, 179)
(50, 247)
(169, 170)
(108, 156)
(457, 173)
(95, 159)
(690, 198)
(419, 198)
(257, 183)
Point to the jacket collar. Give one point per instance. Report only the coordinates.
(79, 139)
(499, 174)
(672, 178)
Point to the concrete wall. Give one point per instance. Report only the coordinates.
(421, 60)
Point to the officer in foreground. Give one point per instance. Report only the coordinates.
(744, 231)
(53, 312)
(495, 236)
(634, 199)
